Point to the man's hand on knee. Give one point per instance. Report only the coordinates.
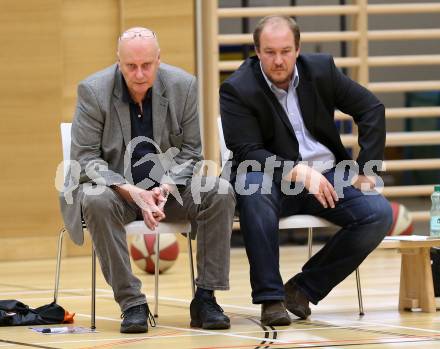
(315, 183)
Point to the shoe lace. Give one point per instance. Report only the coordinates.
(139, 309)
(212, 304)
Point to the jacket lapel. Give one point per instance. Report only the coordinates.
(160, 107)
(159, 111)
(307, 99)
(268, 92)
(122, 109)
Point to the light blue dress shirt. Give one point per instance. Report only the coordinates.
(315, 154)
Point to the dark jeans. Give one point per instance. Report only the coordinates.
(364, 221)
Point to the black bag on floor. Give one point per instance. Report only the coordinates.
(435, 265)
(15, 313)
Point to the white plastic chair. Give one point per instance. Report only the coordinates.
(136, 227)
(299, 221)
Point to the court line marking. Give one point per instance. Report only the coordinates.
(192, 333)
(185, 301)
(24, 344)
(310, 329)
(231, 306)
(310, 344)
(316, 344)
(402, 327)
(6, 293)
(50, 299)
(195, 332)
(191, 330)
(268, 330)
(344, 322)
(328, 344)
(276, 341)
(164, 298)
(234, 335)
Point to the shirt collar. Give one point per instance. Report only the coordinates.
(293, 83)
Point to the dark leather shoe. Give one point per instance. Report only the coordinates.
(273, 313)
(136, 319)
(207, 314)
(296, 301)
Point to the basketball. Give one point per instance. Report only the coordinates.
(143, 251)
(402, 220)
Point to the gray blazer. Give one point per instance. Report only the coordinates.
(101, 132)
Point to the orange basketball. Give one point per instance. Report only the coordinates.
(143, 251)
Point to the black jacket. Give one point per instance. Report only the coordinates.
(256, 127)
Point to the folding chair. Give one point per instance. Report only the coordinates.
(300, 221)
(136, 227)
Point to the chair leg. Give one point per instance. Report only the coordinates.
(156, 276)
(358, 278)
(93, 318)
(310, 241)
(359, 290)
(191, 264)
(58, 266)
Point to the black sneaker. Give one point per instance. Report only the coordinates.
(136, 319)
(207, 314)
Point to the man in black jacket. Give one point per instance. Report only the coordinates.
(277, 113)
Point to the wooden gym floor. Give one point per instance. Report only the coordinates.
(334, 323)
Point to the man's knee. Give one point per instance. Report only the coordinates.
(256, 189)
(221, 192)
(384, 215)
(380, 216)
(103, 203)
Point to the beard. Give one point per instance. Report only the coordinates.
(280, 79)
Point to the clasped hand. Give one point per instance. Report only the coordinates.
(151, 203)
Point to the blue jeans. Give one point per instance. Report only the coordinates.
(364, 221)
